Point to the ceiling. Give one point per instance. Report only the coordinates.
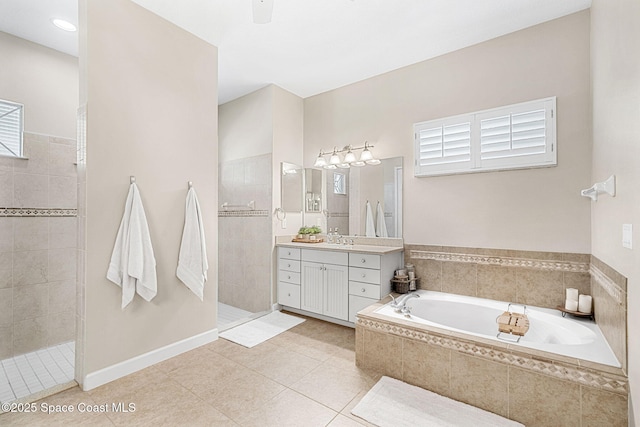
(311, 46)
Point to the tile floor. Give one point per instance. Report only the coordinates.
(30, 373)
(305, 376)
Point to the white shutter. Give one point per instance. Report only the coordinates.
(10, 129)
(443, 146)
(512, 137)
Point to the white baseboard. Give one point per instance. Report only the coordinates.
(119, 370)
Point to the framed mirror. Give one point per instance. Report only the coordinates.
(291, 187)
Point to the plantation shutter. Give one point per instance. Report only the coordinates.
(10, 129)
(445, 146)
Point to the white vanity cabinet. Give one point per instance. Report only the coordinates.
(334, 284)
(289, 277)
(325, 282)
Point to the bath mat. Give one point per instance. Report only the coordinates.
(393, 403)
(257, 331)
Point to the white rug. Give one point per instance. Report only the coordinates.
(257, 331)
(393, 403)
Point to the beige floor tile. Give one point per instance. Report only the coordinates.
(287, 409)
(342, 421)
(248, 390)
(190, 357)
(199, 376)
(281, 365)
(115, 390)
(333, 385)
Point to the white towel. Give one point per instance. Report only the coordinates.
(381, 227)
(192, 261)
(369, 226)
(133, 265)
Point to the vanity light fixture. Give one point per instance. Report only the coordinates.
(64, 25)
(350, 159)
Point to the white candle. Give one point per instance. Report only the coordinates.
(572, 294)
(571, 305)
(584, 304)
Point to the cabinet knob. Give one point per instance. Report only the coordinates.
(289, 294)
(363, 260)
(288, 265)
(289, 277)
(363, 290)
(364, 275)
(289, 253)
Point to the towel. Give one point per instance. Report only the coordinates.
(369, 227)
(381, 227)
(192, 261)
(133, 265)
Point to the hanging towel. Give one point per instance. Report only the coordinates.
(381, 227)
(369, 226)
(192, 261)
(133, 266)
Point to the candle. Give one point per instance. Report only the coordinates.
(584, 304)
(571, 305)
(572, 294)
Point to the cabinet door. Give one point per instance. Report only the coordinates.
(312, 284)
(336, 291)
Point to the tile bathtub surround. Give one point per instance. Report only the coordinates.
(527, 388)
(524, 277)
(609, 291)
(38, 233)
(305, 376)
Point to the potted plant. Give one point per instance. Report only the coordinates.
(309, 233)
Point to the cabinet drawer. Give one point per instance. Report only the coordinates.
(289, 265)
(289, 277)
(364, 290)
(289, 294)
(364, 275)
(364, 260)
(325, 257)
(356, 304)
(288, 253)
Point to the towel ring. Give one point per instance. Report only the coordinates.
(281, 211)
(190, 185)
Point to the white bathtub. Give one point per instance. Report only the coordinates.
(548, 330)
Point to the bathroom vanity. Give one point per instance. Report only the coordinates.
(334, 282)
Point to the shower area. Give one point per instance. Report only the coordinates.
(244, 239)
(38, 229)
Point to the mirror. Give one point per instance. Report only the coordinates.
(348, 190)
(313, 190)
(291, 186)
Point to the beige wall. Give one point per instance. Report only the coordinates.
(45, 81)
(151, 93)
(539, 209)
(615, 66)
(246, 126)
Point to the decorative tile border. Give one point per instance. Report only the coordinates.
(580, 267)
(615, 291)
(596, 379)
(243, 213)
(36, 212)
(338, 214)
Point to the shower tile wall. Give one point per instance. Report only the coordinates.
(245, 242)
(37, 252)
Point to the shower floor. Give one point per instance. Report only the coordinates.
(30, 373)
(230, 316)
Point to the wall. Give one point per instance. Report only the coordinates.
(615, 85)
(45, 81)
(538, 209)
(151, 113)
(38, 245)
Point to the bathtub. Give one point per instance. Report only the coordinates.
(577, 338)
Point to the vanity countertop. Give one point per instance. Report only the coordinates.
(371, 249)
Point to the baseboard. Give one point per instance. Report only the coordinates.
(127, 367)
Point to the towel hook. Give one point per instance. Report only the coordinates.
(132, 179)
(190, 184)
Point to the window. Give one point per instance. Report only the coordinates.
(10, 129)
(513, 137)
(339, 183)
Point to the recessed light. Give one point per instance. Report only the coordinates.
(64, 25)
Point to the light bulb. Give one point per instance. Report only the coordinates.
(330, 167)
(335, 158)
(343, 165)
(358, 163)
(366, 155)
(349, 157)
(373, 162)
(320, 161)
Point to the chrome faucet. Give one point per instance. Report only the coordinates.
(400, 305)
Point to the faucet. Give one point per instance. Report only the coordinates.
(400, 304)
